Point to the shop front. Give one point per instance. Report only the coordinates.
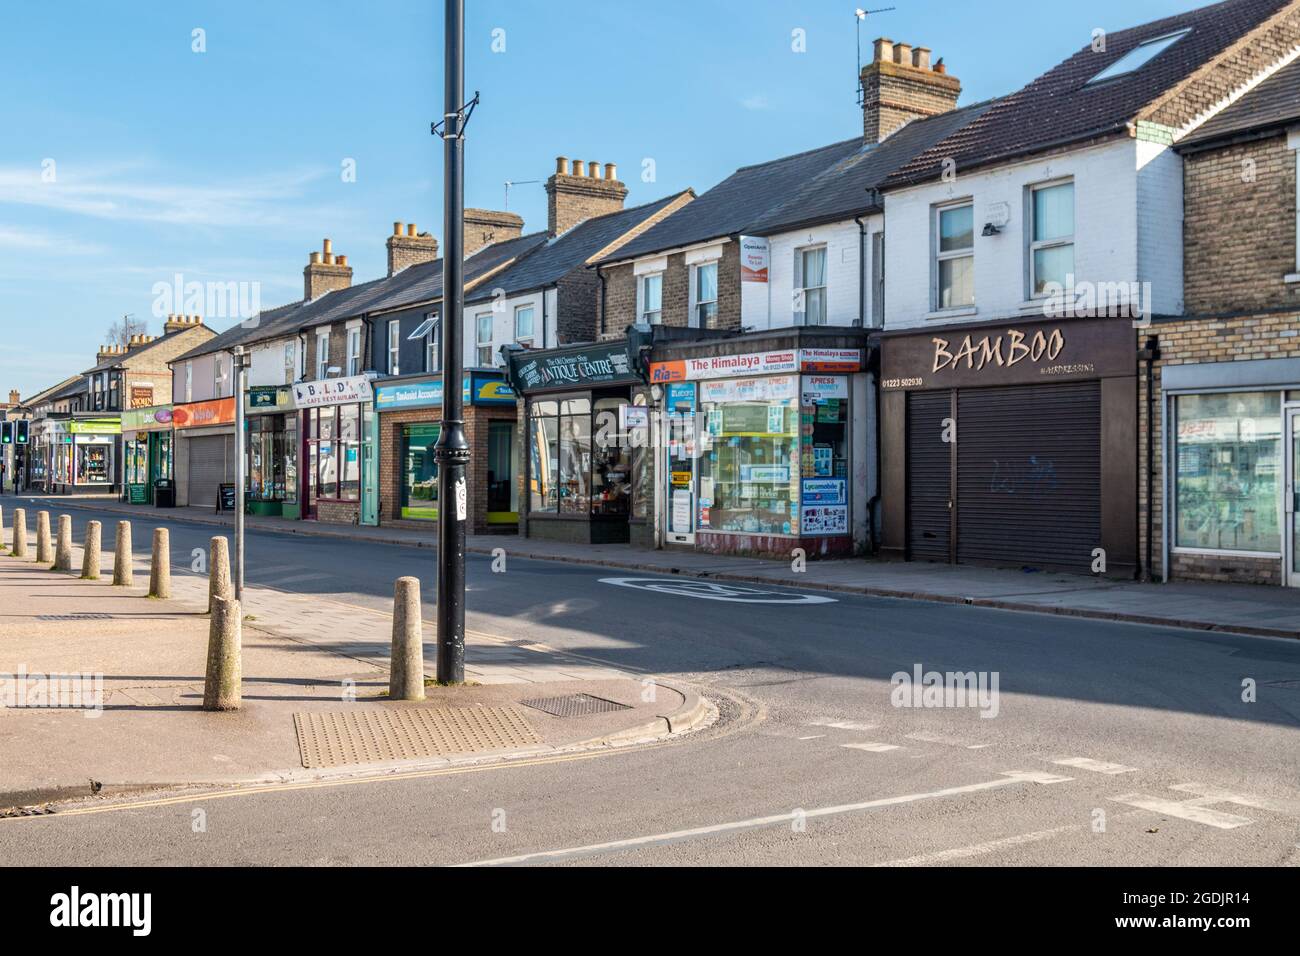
(147, 444)
(410, 410)
(764, 443)
(586, 460)
(204, 453)
(271, 445)
(44, 435)
(1012, 445)
(339, 481)
(84, 455)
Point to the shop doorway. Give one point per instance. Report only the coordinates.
(1291, 551)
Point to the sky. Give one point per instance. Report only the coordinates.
(129, 157)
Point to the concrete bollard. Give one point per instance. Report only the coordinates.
(63, 545)
(44, 549)
(20, 533)
(219, 572)
(160, 567)
(221, 685)
(90, 557)
(123, 572)
(406, 659)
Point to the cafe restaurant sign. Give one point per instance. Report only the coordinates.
(332, 391)
(575, 368)
(1020, 354)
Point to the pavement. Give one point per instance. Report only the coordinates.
(1238, 609)
(310, 666)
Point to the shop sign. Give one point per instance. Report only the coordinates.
(333, 391)
(147, 419)
(478, 390)
(817, 389)
(489, 390)
(96, 426)
(269, 398)
(824, 519)
(725, 366)
(141, 396)
(825, 491)
(590, 365)
(765, 474)
(830, 360)
(754, 258)
(633, 416)
(220, 411)
(774, 388)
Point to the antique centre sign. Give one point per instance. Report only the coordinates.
(590, 365)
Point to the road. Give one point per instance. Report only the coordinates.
(1105, 743)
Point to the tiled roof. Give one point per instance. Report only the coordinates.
(75, 386)
(1061, 107)
(1275, 102)
(269, 323)
(566, 252)
(47, 394)
(729, 207)
(849, 187)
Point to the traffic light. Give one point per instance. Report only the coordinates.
(20, 432)
(6, 433)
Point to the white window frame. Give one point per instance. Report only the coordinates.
(801, 290)
(481, 344)
(696, 322)
(394, 347)
(354, 351)
(1293, 143)
(189, 381)
(218, 376)
(939, 256)
(526, 340)
(431, 347)
(644, 315)
(1032, 223)
(323, 354)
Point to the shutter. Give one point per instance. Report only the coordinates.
(929, 477)
(1029, 475)
(211, 463)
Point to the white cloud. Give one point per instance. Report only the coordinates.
(11, 237)
(755, 103)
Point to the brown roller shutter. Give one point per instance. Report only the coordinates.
(1029, 475)
(929, 477)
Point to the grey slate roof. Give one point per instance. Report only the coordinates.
(566, 252)
(48, 394)
(740, 199)
(849, 188)
(1274, 103)
(1061, 107)
(270, 323)
(76, 386)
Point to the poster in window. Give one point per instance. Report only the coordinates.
(824, 519)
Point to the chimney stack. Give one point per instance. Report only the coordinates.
(407, 247)
(179, 323)
(574, 198)
(107, 352)
(486, 226)
(324, 274)
(899, 85)
(14, 397)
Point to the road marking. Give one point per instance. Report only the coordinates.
(980, 849)
(1192, 810)
(1009, 779)
(929, 738)
(842, 724)
(873, 747)
(813, 737)
(713, 591)
(1096, 766)
(1211, 794)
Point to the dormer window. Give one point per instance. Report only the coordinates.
(1139, 56)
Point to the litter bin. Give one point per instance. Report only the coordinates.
(164, 493)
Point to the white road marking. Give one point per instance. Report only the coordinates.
(842, 724)
(1211, 794)
(1097, 766)
(813, 737)
(1192, 810)
(714, 591)
(979, 849)
(875, 748)
(929, 738)
(1010, 779)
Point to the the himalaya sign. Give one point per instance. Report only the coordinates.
(332, 391)
(757, 363)
(593, 365)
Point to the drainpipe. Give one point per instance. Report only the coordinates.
(557, 299)
(1150, 354)
(604, 324)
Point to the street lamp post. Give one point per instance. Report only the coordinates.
(452, 449)
(241, 372)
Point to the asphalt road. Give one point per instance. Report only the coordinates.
(1105, 743)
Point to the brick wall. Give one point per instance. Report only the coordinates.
(338, 348)
(571, 199)
(577, 305)
(899, 86)
(1240, 227)
(620, 294)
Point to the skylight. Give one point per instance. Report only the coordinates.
(1139, 56)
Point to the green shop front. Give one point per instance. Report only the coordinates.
(147, 454)
(271, 440)
(85, 455)
(410, 409)
(587, 463)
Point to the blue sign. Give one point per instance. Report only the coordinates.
(825, 491)
(478, 389)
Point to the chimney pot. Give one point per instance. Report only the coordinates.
(884, 50)
(397, 228)
(562, 165)
(410, 229)
(903, 54)
(921, 57)
(593, 169)
(611, 172)
(327, 247)
(579, 168)
(341, 260)
(939, 66)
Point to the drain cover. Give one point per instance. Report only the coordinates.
(74, 617)
(338, 738)
(574, 705)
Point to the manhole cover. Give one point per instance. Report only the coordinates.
(574, 705)
(339, 738)
(74, 617)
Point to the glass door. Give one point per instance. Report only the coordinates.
(1291, 509)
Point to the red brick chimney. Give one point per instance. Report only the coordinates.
(899, 85)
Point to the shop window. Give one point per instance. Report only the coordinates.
(420, 472)
(94, 464)
(269, 453)
(502, 466)
(642, 472)
(612, 460)
(749, 473)
(335, 453)
(544, 455)
(574, 476)
(955, 256)
(1227, 472)
(1051, 247)
(579, 462)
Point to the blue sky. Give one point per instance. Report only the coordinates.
(226, 165)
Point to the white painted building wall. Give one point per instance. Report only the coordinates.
(502, 311)
(274, 362)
